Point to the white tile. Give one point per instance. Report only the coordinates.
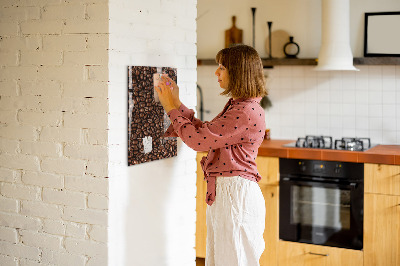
(336, 83)
(389, 84)
(376, 136)
(348, 109)
(298, 120)
(286, 120)
(323, 121)
(349, 122)
(299, 107)
(285, 83)
(362, 110)
(323, 109)
(287, 133)
(389, 124)
(323, 95)
(336, 133)
(374, 83)
(362, 78)
(388, 71)
(298, 97)
(336, 109)
(398, 137)
(349, 96)
(298, 131)
(349, 132)
(285, 71)
(362, 123)
(310, 108)
(298, 83)
(389, 137)
(323, 83)
(324, 131)
(336, 96)
(375, 110)
(397, 72)
(375, 123)
(310, 82)
(389, 97)
(389, 110)
(298, 71)
(362, 133)
(336, 121)
(310, 122)
(362, 97)
(310, 95)
(375, 97)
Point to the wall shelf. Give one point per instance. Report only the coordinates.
(269, 63)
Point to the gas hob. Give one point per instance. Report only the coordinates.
(327, 142)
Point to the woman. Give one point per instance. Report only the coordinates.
(236, 211)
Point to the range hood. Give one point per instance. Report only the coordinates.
(335, 52)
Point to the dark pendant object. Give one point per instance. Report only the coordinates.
(253, 10)
(269, 38)
(291, 49)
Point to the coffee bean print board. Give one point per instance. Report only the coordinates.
(147, 120)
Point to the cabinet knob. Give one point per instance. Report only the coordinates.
(318, 254)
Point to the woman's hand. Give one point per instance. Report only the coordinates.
(165, 96)
(175, 90)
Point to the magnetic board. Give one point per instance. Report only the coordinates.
(147, 120)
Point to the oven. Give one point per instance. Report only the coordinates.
(321, 202)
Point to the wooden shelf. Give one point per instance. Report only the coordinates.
(377, 61)
(269, 63)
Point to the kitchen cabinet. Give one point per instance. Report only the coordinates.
(382, 215)
(382, 179)
(269, 185)
(269, 170)
(201, 205)
(300, 254)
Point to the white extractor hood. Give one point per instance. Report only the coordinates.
(335, 52)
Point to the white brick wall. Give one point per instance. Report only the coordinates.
(60, 139)
(152, 205)
(53, 135)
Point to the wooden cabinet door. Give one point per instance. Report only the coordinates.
(201, 205)
(299, 254)
(381, 230)
(382, 179)
(268, 167)
(271, 232)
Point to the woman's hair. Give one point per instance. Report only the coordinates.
(245, 69)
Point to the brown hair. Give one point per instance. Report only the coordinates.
(245, 69)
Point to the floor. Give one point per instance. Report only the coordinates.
(200, 262)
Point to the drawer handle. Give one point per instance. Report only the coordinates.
(318, 254)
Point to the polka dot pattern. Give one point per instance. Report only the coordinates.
(232, 139)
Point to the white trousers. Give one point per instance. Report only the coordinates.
(235, 223)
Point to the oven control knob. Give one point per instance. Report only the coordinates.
(338, 170)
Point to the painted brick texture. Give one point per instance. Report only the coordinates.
(53, 135)
(152, 205)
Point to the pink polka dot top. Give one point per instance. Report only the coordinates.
(232, 139)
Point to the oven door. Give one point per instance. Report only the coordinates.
(321, 212)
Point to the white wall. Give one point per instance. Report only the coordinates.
(53, 133)
(301, 19)
(337, 103)
(152, 205)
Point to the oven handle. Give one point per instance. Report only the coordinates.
(310, 182)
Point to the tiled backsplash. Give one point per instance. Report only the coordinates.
(365, 103)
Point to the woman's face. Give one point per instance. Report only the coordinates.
(223, 76)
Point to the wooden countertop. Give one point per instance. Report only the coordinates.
(380, 154)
